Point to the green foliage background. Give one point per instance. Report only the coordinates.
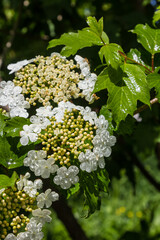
(131, 209)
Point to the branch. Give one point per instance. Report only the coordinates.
(147, 175)
(145, 106)
(64, 213)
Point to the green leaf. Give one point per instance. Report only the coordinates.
(156, 16)
(2, 123)
(125, 86)
(6, 181)
(103, 180)
(7, 157)
(73, 190)
(154, 82)
(108, 116)
(101, 82)
(135, 55)
(126, 126)
(110, 53)
(148, 37)
(96, 27)
(87, 37)
(92, 191)
(15, 125)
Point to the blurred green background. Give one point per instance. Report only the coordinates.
(131, 210)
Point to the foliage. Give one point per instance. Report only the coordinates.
(126, 85)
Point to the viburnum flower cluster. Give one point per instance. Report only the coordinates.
(16, 202)
(70, 140)
(54, 79)
(76, 138)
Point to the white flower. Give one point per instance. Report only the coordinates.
(10, 95)
(31, 187)
(43, 168)
(14, 67)
(44, 111)
(34, 229)
(84, 66)
(18, 112)
(137, 117)
(88, 161)
(10, 236)
(41, 216)
(32, 157)
(27, 135)
(89, 115)
(101, 122)
(87, 86)
(66, 177)
(47, 198)
(39, 122)
(23, 181)
(23, 236)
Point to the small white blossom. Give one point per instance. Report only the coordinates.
(31, 187)
(32, 157)
(66, 177)
(34, 229)
(43, 168)
(44, 111)
(47, 198)
(14, 67)
(39, 122)
(41, 216)
(23, 181)
(137, 117)
(84, 66)
(28, 134)
(88, 161)
(10, 95)
(23, 236)
(10, 236)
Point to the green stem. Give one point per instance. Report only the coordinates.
(140, 64)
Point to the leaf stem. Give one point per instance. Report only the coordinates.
(130, 59)
(145, 106)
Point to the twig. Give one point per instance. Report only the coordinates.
(145, 106)
(130, 59)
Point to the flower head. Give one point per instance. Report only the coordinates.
(47, 198)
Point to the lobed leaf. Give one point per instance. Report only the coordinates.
(148, 37)
(125, 87)
(87, 37)
(101, 82)
(154, 82)
(110, 52)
